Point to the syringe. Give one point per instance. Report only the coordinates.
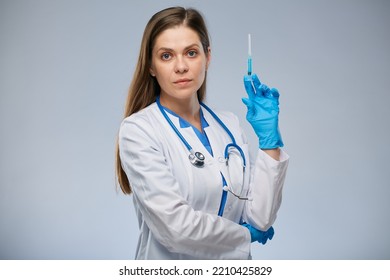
(249, 55)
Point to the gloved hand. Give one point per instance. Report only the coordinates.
(263, 112)
(258, 235)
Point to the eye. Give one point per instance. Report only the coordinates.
(166, 56)
(192, 53)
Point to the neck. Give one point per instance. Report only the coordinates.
(188, 109)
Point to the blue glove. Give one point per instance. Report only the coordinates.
(263, 112)
(258, 235)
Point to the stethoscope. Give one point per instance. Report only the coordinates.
(197, 159)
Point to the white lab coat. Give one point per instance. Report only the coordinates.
(177, 204)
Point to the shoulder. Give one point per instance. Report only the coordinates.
(231, 122)
(142, 117)
(226, 117)
(142, 122)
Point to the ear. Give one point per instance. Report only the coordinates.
(152, 72)
(208, 57)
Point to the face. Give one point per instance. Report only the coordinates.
(179, 63)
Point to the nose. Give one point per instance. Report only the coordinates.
(181, 65)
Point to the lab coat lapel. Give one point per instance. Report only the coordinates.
(206, 192)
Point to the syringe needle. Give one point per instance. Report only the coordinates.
(249, 45)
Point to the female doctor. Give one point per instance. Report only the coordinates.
(195, 192)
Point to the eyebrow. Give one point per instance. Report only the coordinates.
(172, 50)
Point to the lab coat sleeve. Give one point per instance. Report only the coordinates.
(266, 186)
(173, 222)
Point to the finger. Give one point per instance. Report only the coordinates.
(249, 86)
(256, 82)
(271, 232)
(265, 91)
(263, 241)
(275, 93)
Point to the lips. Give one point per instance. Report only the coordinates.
(182, 81)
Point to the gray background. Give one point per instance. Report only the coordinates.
(65, 67)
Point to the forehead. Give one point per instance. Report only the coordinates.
(177, 37)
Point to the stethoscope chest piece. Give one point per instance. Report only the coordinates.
(197, 159)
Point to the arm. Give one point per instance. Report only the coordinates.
(269, 171)
(266, 188)
(274, 153)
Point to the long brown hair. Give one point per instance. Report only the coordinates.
(144, 88)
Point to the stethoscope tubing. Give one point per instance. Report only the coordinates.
(173, 126)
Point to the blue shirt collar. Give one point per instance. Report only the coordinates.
(184, 124)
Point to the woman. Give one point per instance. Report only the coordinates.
(173, 152)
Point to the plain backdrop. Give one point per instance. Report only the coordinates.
(65, 67)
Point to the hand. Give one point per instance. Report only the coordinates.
(263, 112)
(258, 235)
